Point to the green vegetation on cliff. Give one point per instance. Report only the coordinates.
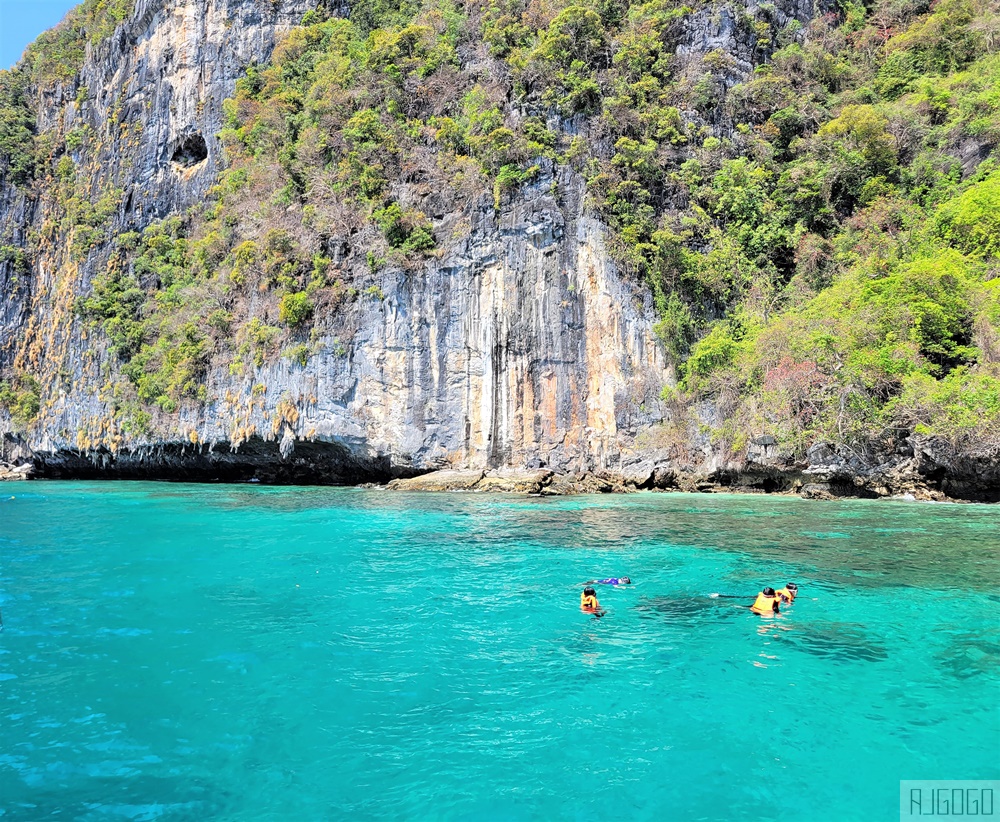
(872, 306)
(56, 57)
(820, 235)
(20, 398)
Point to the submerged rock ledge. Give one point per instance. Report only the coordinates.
(540, 481)
(927, 469)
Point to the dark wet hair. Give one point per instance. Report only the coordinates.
(590, 592)
(626, 581)
(769, 592)
(791, 586)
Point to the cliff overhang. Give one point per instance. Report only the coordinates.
(256, 460)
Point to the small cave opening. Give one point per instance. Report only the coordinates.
(190, 151)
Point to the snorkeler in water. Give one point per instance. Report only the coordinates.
(589, 603)
(787, 594)
(609, 581)
(766, 603)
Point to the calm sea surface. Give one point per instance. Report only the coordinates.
(243, 653)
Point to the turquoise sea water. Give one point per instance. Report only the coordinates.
(237, 652)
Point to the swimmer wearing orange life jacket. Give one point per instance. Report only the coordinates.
(787, 594)
(766, 604)
(588, 601)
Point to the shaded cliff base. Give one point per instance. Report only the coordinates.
(923, 468)
(310, 463)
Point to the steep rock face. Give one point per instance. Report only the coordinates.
(519, 345)
(157, 88)
(150, 91)
(522, 347)
(717, 28)
(16, 211)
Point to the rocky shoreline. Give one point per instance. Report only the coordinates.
(921, 468)
(14, 473)
(918, 468)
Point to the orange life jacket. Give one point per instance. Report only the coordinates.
(785, 595)
(589, 602)
(765, 606)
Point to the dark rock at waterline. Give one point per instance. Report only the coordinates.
(583, 483)
(664, 478)
(958, 474)
(919, 468)
(839, 488)
(757, 478)
(310, 463)
(818, 490)
(639, 474)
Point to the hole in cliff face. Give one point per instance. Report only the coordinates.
(190, 151)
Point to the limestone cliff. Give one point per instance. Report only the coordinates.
(519, 346)
(517, 343)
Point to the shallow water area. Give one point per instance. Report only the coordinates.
(243, 652)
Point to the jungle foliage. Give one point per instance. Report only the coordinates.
(861, 227)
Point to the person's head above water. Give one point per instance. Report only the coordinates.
(791, 586)
(768, 592)
(590, 592)
(625, 581)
